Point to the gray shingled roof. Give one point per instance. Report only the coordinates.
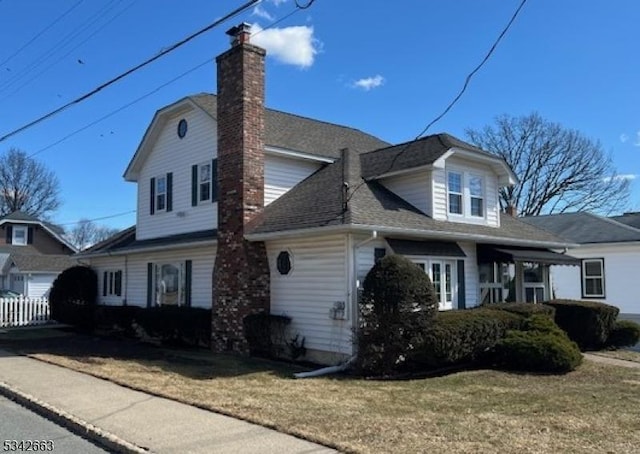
(413, 154)
(293, 132)
(630, 219)
(25, 217)
(319, 201)
(585, 228)
(126, 240)
(42, 263)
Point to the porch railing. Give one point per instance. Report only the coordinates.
(491, 293)
(23, 311)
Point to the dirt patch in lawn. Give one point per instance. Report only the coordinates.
(594, 409)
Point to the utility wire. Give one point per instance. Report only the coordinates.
(41, 32)
(98, 219)
(95, 32)
(130, 71)
(58, 46)
(155, 90)
(452, 103)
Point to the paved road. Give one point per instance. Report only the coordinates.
(18, 423)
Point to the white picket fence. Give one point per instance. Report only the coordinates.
(23, 311)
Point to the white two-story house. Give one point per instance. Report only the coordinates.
(243, 208)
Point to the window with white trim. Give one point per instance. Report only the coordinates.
(170, 284)
(19, 235)
(476, 194)
(593, 278)
(204, 182)
(454, 188)
(465, 194)
(161, 193)
(112, 283)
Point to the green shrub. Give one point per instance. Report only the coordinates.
(73, 297)
(625, 333)
(176, 325)
(397, 305)
(117, 317)
(540, 346)
(524, 309)
(588, 323)
(265, 334)
(464, 336)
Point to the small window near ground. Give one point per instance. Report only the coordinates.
(283, 263)
(593, 278)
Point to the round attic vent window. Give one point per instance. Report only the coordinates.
(283, 262)
(182, 128)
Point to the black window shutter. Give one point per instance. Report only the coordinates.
(9, 234)
(118, 283)
(152, 196)
(169, 191)
(194, 185)
(462, 299)
(187, 283)
(29, 235)
(149, 284)
(104, 283)
(214, 180)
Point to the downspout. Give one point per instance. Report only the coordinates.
(354, 315)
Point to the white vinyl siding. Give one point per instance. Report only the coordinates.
(471, 284)
(415, 188)
(134, 286)
(38, 285)
(282, 173)
(317, 280)
(175, 155)
(621, 262)
(439, 191)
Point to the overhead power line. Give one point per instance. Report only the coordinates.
(455, 99)
(155, 90)
(41, 32)
(131, 71)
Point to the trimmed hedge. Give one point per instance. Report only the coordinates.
(465, 336)
(588, 323)
(73, 297)
(176, 325)
(625, 333)
(540, 346)
(265, 334)
(397, 306)
(524, 309)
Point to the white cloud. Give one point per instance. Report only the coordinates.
(369, 83)
(278, 2)
(291, 45)
(628, 176)
(261, 12)
(624, 138)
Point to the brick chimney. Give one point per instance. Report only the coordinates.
(241, 274)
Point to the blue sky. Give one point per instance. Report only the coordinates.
(387, 68)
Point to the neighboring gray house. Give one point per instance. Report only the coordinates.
(32, 254)
(243, 209)
(609, 251)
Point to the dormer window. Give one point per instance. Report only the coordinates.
(455, 192)
(19, 235)
(476, 193)
(466, 194)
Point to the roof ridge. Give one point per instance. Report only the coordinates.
(316, 120)
(613, 221)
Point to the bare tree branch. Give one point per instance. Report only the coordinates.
(560, 169)
(86, 233)
(27, 185)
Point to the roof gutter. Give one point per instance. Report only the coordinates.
(416, 233)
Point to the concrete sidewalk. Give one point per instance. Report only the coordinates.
(130, 421)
